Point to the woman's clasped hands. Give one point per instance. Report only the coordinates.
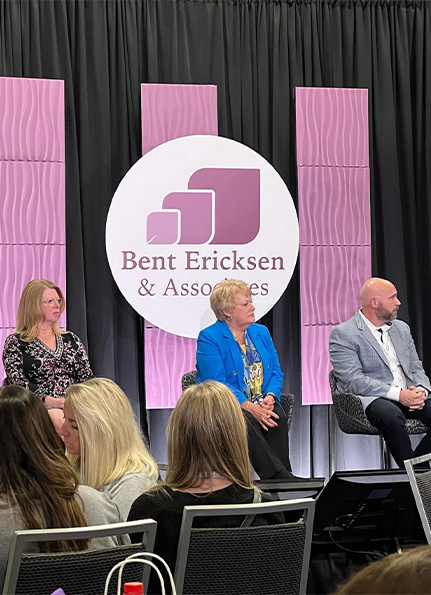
(263, 412)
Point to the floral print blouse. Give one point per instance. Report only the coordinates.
(43, 370)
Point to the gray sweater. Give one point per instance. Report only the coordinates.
(98, 510)
(126, 489)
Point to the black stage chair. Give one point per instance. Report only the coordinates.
(229, 560)
(351, 416)
(352, 419)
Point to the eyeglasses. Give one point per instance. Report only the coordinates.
(51, 303)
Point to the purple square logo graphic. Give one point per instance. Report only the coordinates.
(196, 210)
(162, 227)
(218, 198)
(237, 199)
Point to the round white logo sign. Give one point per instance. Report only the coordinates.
(191, 213)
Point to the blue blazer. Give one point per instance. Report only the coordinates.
(360, 364)
(218, 358)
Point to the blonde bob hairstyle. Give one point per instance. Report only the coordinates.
(111, 443)
(223, 297)
(401, 574)
(207, 434)
(30, 313)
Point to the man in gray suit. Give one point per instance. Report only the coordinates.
(374, 357)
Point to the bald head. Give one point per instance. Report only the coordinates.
(379, 300)
(375, 287)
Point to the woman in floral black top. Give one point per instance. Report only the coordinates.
(39, 355)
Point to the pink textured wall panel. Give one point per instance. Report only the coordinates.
(334, 221)
(168, 112)
(31, 119)
(332, 127)
(31, 200)
(330, 280)
(315, 361)
(32, 190)
(327, 218)
(330, 277)
(167, 357)
(326, 309)
(22, 263)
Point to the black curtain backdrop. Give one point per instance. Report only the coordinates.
(256, 52)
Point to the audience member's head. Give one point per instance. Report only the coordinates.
(397, 574)
(101, 434)
(207, 435)
(35, 475)
(30, 309)
(223, 297)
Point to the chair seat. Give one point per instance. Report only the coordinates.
(351, 416)
(414, 426)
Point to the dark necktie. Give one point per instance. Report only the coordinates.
(381, 333)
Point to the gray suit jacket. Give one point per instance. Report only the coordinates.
(360, 364)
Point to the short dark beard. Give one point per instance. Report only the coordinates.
(384, 315)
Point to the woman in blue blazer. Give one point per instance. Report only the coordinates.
(240, 353)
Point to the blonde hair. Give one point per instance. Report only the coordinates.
(406, 573)
(111, 443)
(30, 313)
(207, 434)
(223, 296)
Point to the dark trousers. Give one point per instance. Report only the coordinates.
(269, 450)
(389, 417)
